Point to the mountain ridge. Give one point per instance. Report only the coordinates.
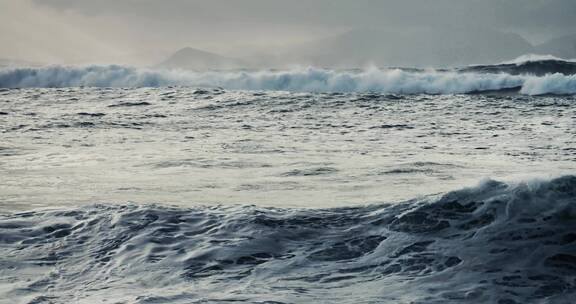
(361, 47)
(196, 59)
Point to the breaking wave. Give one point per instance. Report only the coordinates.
(298, 80)
(494, 243)
(535, 58)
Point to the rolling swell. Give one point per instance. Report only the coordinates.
(538, 68)
(536, 79)
(495, 243)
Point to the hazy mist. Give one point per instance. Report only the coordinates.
(271, 32)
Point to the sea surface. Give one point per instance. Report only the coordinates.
(120, 185)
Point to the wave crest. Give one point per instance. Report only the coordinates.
(469, 245)
(535, 58)
(299, 80)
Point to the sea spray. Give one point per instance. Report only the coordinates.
(296, 80)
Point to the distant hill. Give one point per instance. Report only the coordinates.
(441, 47)
(194, 59)
(563, 47)
(424, 47)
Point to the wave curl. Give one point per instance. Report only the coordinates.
(495, 243)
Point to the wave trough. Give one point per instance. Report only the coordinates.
(297, 80)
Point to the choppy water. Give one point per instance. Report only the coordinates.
(186, 195)
(489, 244)
(189, 146)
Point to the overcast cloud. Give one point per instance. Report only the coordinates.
(139, 31)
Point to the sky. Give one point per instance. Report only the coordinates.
(144, 31)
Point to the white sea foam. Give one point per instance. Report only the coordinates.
(296, 80)
(535, 57)
(552, 83)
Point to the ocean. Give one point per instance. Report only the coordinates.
(126, 185)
